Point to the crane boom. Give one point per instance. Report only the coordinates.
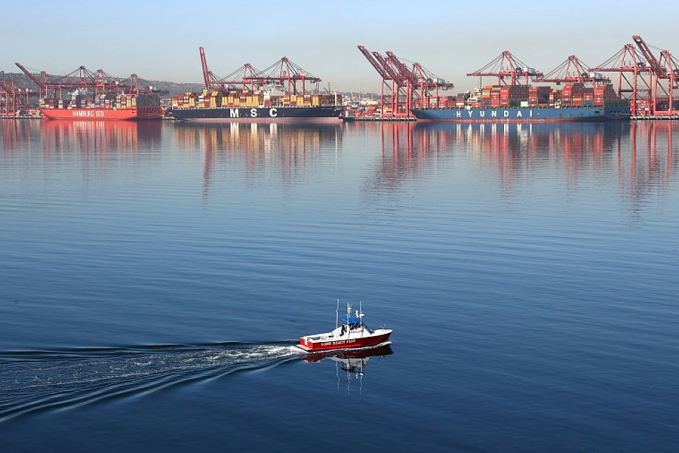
(31, 76)
(387, 68)
(573, 70)
(507, 65)
(656, 67)
(402, 69)
(380, 70)
(206, 72)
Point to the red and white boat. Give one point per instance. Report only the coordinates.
(352, 333)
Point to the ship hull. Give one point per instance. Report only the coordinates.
(260, 114)
(524, 115)
(79, 114)
(308, 344)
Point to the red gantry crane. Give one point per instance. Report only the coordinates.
(397, 85)
(407, 79)
(429, 81)
(242, 76)
(572, 70)
(649, 82)
(287, 74)
(419, 82)
(386, 77)
(97, 83)
(668, 61)
(409, 86)
(283, 73)
(80, 78)
(136, 85)
(14, 100)
(632, 68)
(507, 66)
(663, 78)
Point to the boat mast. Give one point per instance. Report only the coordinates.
(337, 315)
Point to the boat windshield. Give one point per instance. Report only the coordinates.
(351, 320)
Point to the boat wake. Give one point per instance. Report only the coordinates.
(39, 380)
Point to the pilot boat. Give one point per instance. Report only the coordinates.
(352, 333)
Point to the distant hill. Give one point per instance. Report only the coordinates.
(174, 88)
(21, 79)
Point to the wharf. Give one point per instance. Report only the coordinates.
(19, 117)
(378, 119)
(654, 117)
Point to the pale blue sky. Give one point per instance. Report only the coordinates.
(160, 39)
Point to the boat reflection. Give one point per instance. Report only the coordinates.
(351, 364)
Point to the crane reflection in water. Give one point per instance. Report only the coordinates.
(640, 153)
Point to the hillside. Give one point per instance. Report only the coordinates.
(173, 87)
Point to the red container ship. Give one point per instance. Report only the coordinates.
(117, 108)
(95, 96)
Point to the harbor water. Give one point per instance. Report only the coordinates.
(155, 276)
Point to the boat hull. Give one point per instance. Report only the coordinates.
(259, 114)
(524, 115)
(309, 345)
(79, 114)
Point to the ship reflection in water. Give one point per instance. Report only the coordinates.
(95, 145)
(259, 148)
(17, 135)
(350, 365)
(100, 137)
(639, 154)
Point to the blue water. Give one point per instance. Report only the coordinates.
(155, 276)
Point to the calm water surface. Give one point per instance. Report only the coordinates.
(154, 277)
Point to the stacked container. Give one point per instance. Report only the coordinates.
(495, 96)
(572, 95)
(554, 97)
(603, 92)
(538, 96)
(460, 100)
(486, 95)
(512, 95)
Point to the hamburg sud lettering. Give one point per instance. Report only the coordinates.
(89, 113)
(252, 113)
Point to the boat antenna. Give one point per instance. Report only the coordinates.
(337, 315)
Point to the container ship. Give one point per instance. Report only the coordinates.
(144, 106)
(522, 103)
(264, 105)
(250, 95)
(581, 93)
(95, 96)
